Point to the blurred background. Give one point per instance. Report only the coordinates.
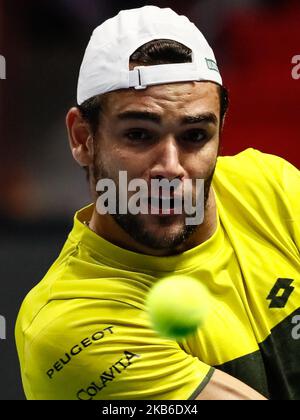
(41, 186)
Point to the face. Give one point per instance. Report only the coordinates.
(167, 131)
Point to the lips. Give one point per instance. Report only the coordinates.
(164, 206)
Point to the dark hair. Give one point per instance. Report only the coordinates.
(161, 51)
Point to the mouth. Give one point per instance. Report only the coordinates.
(164, 207)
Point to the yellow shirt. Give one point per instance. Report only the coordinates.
(83, 331)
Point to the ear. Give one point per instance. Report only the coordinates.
(80, 137)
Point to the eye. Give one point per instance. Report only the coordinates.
(138, 135)
(194, 136)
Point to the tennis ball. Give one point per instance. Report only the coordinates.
(177, 306)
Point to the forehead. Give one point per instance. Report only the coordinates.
(176, 98)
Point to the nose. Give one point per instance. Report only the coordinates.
(167, 160)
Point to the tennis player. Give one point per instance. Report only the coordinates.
(151, 104)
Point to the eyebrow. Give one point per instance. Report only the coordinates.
(207, 117)
(138, 115)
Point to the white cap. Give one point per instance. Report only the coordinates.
(105, 66)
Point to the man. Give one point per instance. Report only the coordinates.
(151, 105)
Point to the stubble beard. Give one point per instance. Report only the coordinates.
(136, 226)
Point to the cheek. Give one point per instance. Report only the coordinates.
(205, 161)
(122, 160)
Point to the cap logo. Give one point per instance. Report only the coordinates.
(212, 65)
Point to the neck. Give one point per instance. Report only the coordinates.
(106, 227)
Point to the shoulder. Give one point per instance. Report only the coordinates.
(259, 193)
(258, 177)
(103, 349)
(252, 163)
(261, 174)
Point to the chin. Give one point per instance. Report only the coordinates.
(157, 233)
